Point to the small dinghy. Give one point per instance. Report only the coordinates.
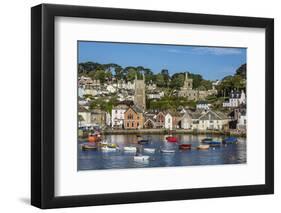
(141, 158)
(230, 140)
(112, 145)
(149, 150)
(130, 149)
(215, 143)
(108, 149)
(185, 146)
(167, 150)
(203, 147)
(171, 139)
(207, 140)
(143, 141)
(86, 147)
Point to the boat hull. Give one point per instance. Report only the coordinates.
(185, 146)
(172, 139)
(203, 147)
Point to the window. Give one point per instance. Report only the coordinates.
(128, 124)
(133, 124)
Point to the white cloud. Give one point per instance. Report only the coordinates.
(216, 51)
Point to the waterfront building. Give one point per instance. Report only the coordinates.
(139, 97)
(186, 120)
(236, 98)
(209, 120)
(84, 116)
(242, 120)
(160, 120)
(118, 115)
(98, 117)
(133, 118)
(149, 123)
(172, 120)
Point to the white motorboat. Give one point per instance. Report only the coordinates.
(108, 149)
(130, 149)
(149, 150)
(141, 158)
(168, 150)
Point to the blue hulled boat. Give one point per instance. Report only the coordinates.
(230, 140)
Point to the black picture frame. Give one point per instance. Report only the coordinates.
(43, 102)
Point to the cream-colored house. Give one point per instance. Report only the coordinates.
(209, 120)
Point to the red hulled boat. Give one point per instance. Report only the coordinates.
(185, 146)
(171, 139)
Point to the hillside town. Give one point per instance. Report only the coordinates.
(120, 105)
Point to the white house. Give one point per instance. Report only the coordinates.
(242, 120)
(84, 117)
(111, 89)
(186, 120)
(236, 98)
(202, 105)
(117, 115)
(210, 120)
(168, 121)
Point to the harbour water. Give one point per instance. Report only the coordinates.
(223, 154)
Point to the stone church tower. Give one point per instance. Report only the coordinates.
(187, 85)
(187, 91)
(139, 98)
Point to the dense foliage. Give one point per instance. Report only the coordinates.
(162, 79)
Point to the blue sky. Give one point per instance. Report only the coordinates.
(211, 62)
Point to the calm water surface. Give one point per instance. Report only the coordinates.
(224, 154)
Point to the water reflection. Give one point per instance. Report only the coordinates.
(224, 154)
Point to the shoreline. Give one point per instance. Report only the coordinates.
(165, 131)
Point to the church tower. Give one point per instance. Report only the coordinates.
(139, 98)
(187, 82)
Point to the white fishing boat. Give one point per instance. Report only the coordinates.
(149, 150)
(108, 149)
(167, 150)
(130, 149)
(203, 147)
(141, 158)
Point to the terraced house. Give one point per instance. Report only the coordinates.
(133, 118)
(209, 120)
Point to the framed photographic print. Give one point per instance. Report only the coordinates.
(139, 106)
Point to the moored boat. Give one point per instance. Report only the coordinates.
(141, 158)
(130, 149)
(184, 146)
(149, 150)
(214, 143)
(143, 141)
(171, 139)
(206, 140)
(112, 145)
(86, 147)
(203, 147)
(108, 149)
(167, 150)
(230, 140)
